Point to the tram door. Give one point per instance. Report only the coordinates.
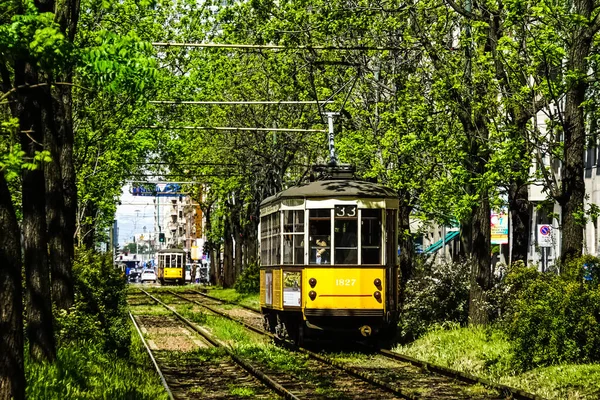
(391, 249)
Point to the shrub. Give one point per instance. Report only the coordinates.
(249, 279)
(99, 313)
(552, 319)
(438, 293)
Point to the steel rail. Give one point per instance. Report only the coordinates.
(253, 371)
(465, 377)
(256, 310)
(222, 314)
(160, 374)
(468, 378)
(321, 358)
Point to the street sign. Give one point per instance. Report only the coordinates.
(544, 236)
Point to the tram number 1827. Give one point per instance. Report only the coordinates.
(345, 282)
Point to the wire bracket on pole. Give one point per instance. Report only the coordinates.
(332, 156)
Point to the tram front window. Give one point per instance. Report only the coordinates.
(346, 231)
(320, 236)
(371, 236)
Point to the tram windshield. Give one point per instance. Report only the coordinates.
(174, 260)
(356, 234)
(319, 229)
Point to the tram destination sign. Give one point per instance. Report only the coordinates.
(163, 190)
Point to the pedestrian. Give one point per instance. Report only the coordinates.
(197, 275)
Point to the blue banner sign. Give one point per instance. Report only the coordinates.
(163, 190)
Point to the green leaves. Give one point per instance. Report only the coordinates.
(118, 63)
(35, 36)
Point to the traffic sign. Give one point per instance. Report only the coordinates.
(544, 236)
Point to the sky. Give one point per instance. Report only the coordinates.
(134, 213)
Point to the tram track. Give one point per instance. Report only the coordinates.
(333, 383)
(386, 381)
(187, 382)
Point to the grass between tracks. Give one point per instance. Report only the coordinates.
(85, 371)
(253, 347)
(248, 300)
(487, 353)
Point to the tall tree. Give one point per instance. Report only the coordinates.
(12, 373)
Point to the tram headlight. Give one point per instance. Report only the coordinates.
(377, 283)
(312, 294)
(377, 295)
(312, 282)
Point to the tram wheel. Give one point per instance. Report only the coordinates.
(270, 323)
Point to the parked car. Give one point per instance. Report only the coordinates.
(134, 275)
(148, 275)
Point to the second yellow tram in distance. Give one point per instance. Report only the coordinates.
(171, 266)
(328, 252)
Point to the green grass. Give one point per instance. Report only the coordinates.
(477, 351)
(84, 371)
(487, 353)
(241, 391)
(248, 300)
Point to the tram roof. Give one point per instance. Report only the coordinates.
(334, 188)
(163, 251)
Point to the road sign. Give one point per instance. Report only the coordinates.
(544, 236)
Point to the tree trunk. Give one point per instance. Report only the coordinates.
(406, 251)
(520, 220)
(480, 264)
(59, 241)
(573, 186)
(40, 331)
(87, 230)
(237, 262)
(12, 372)
(228, 268)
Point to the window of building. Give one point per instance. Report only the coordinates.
(320, 236)
(293, 237)
(371, 236)
(346, 234)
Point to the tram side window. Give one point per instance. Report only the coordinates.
(319, 222)
(371, 236)
(346, 235)
(275, 239)
(270, 240)
(293, 237)
(264, 241)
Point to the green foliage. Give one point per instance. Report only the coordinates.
(99, 314)
(476, 350)
(488, 353)
(249, 279)
(552, 319)
(83, 370)
(438, 293)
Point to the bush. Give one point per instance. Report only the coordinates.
(552, 319)
(99, 313)
(438, 293)
(249, 279)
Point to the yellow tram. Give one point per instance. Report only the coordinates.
(171, 266)
(328, 253)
